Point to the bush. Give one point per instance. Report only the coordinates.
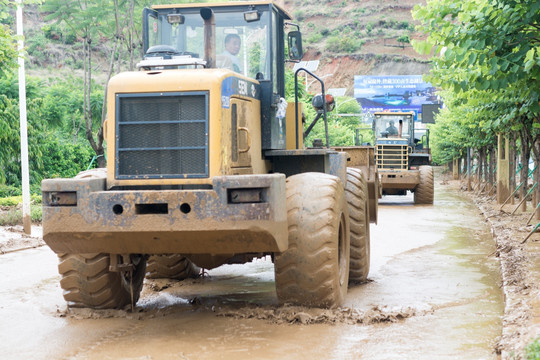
(532, 351)
(70, 39)
(16, 200)
(404, 39)
(369, 28)
(402, 25)
(51, 32)
(65, 159)
(36, 43)
(315, 38)
(343, 44)
(8, 190)
(14, 216)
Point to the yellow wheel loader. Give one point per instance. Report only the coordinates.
(206, 166)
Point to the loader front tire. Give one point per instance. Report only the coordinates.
(314, 270)
(88, 282)
(356, 192)
(423, 194)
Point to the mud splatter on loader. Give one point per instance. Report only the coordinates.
(206, 165)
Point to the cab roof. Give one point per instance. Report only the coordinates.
(285, 14)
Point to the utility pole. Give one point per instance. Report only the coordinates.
(27, 219)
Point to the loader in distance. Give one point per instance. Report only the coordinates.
(403, 157)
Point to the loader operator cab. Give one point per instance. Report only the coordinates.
(393, 125)
(178, 31)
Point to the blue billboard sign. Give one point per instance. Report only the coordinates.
(393, 93)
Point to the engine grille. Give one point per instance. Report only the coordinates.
(162, 135)
(392, 157)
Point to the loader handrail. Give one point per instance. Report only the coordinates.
(296, 105)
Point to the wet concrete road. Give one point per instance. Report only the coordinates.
(432, 261)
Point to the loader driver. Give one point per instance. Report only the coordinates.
(391, 129)
(232, 48)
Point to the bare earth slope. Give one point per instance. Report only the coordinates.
(376, 25)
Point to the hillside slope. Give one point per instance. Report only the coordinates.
(348, 37)
(359, 37)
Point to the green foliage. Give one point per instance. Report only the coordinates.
(341, 130)
(369, 28)
(485, 58)
(8, 50)
(343, 44)
(289, 87)
(14, 216)
(299, 15)
(54, 112)
(65, 159)
(404, 39)
(315, 38)
(8, 190)
(532, 352)
(16, 200)
(51, 32)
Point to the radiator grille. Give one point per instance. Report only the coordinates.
(162, 135)
(392, 157)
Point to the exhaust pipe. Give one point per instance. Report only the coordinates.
(209, 37)
(400, 130)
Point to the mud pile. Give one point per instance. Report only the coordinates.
(305, 316)
(13, 238)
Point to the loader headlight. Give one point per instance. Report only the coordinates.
(174, 18)
(252, 15)
(238, 196)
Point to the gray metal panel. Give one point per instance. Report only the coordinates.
(292, 162)
(338, 166)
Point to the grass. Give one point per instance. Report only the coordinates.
(532, 351)
(13, 215)
(15, 200)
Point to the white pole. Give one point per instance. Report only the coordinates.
(27, 220)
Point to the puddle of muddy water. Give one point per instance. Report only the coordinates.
(434, 295)
(435, 258)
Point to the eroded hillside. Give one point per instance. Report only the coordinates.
(358, 38)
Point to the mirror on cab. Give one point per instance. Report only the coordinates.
(295, 45)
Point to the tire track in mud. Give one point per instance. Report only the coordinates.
(85, 351)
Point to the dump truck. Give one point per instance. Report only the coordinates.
(403, 156)
(206, 166)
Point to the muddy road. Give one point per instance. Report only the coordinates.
(433, 294)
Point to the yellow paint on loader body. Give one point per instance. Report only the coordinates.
(200, 80)
(239, 207)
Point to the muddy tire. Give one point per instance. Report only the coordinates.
(423, 194)
(171, 266)
(356, 192)
(314, 271)
(87, 281)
